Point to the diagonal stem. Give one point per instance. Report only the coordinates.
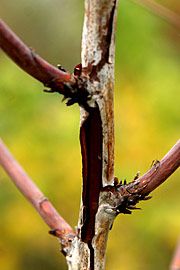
(42, 205)
(130, 194)
(33, 64)
(161, 170)
(175, 264)
(166, 14)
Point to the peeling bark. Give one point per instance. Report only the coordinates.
(91, 145)
(96, 134)
(91, 86)
(98, 50)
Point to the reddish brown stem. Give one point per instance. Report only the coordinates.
(175, 264)
(33, 64)
(91, 147)
(46, 210)
(166, 14)
(161, 170)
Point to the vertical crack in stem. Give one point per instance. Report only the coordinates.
(91, 147)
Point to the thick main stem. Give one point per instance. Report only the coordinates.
(98, 51)
(98, 48)
(96, 134)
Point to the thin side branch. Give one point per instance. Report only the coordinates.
(175, 264)
(128, 195)
(33, 64)
(164, 13)
(46, 210)
(58, 80)
(161, 170)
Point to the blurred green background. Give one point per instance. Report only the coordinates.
(42, 133)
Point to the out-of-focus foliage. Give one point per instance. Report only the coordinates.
(42, 133)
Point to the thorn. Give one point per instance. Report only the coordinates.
(52, 232)
(155, 163)
(116, 182)
(125, 182)
(147, 198)
(126, 211)
(137, 175)
(61, 68)
(63, 99)
(78, 69)
(71, 101)
(49, 90)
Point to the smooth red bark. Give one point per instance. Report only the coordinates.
(32, 63)
(46, 210)
(161, 170)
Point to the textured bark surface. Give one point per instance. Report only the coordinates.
(91, 86)
(96, 133)
(98, 49)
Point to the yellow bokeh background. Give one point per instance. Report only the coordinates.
(43, 134)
